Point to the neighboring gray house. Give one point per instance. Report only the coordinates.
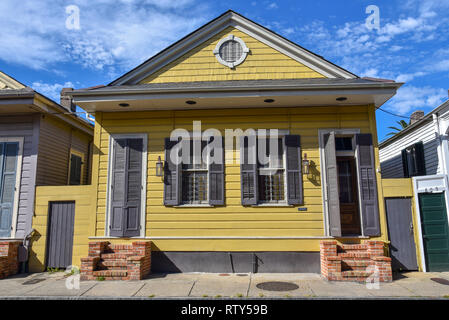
(421, 152)
(41, 143)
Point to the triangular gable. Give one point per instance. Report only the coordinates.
(262, 62)
(7, 82)
(304, 63)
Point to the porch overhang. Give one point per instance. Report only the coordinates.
(235, 94)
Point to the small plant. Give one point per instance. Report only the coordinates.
(239, 295)
(151, 296)
(53, 270)
(446, 296)
(205, 295)
(218, 296)
(287, 296)
(261, 295)
(101, 278)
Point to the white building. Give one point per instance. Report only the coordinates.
(421, 152)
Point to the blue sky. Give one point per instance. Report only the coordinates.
(116, 35)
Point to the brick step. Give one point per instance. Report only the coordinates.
(354, 255)
(355, 274)
(112, 265)
(116, 256)
(351, 264)
(352, 247)
(110, 273)
(120, 247)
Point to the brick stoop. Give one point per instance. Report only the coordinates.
(355, 262)
(9, 261)
(117, 261)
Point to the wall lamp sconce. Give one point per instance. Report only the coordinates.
(159, 167)
(305, 164)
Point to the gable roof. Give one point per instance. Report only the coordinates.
(9, 83)
(417, 124)
(232, 19)
(14, 93)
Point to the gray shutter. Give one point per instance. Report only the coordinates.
(216, 179)
(420, 160)
(172, 177)
(75, 170)
(118, 188)
(8, 169)
(133, 188)
(404, 163)
(332, 192)
(292, 145)
(367, 185)
(248, 172)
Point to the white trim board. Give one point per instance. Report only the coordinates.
(143, 199)
(15, 209)
(321, 133)
(232, 19)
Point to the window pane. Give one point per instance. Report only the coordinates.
(343, 143)
(273, 158)
(200, 164)
(271, 186)
(345, 181)
(194, 187)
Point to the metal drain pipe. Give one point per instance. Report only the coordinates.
(232, 262)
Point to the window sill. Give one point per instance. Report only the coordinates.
(193, 206)
(272, 205)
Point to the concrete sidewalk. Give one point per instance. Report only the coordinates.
(206, 285)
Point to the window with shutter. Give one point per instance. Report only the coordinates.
(275, 177)
(76, 167)
(413, 161)
(194, 181)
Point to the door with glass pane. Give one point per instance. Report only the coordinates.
(349, 213)
(8, 170)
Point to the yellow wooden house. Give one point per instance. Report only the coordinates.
(235, 82)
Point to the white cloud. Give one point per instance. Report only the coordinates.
(409, 98)
(113, 33)
(51, 90)
(272, 5)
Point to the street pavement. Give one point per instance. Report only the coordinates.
(59, 285)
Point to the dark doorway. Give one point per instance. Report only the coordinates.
(349, 205)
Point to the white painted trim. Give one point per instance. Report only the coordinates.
(230, 237)
(231, 65)
(416, 192)
(143, 136)
(233, 20)
(321, 133)
(15, 209)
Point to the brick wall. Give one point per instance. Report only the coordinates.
(117, 261)
(9, 262)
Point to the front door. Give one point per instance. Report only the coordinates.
(349, 207)
(126, 187)
(8, 168)
(435, 231)
(400, 233)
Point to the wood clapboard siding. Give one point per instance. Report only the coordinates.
(56, 139)
(84, 202)
(232, 219)
(263, 62)
(23, 126)
(391, 157)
